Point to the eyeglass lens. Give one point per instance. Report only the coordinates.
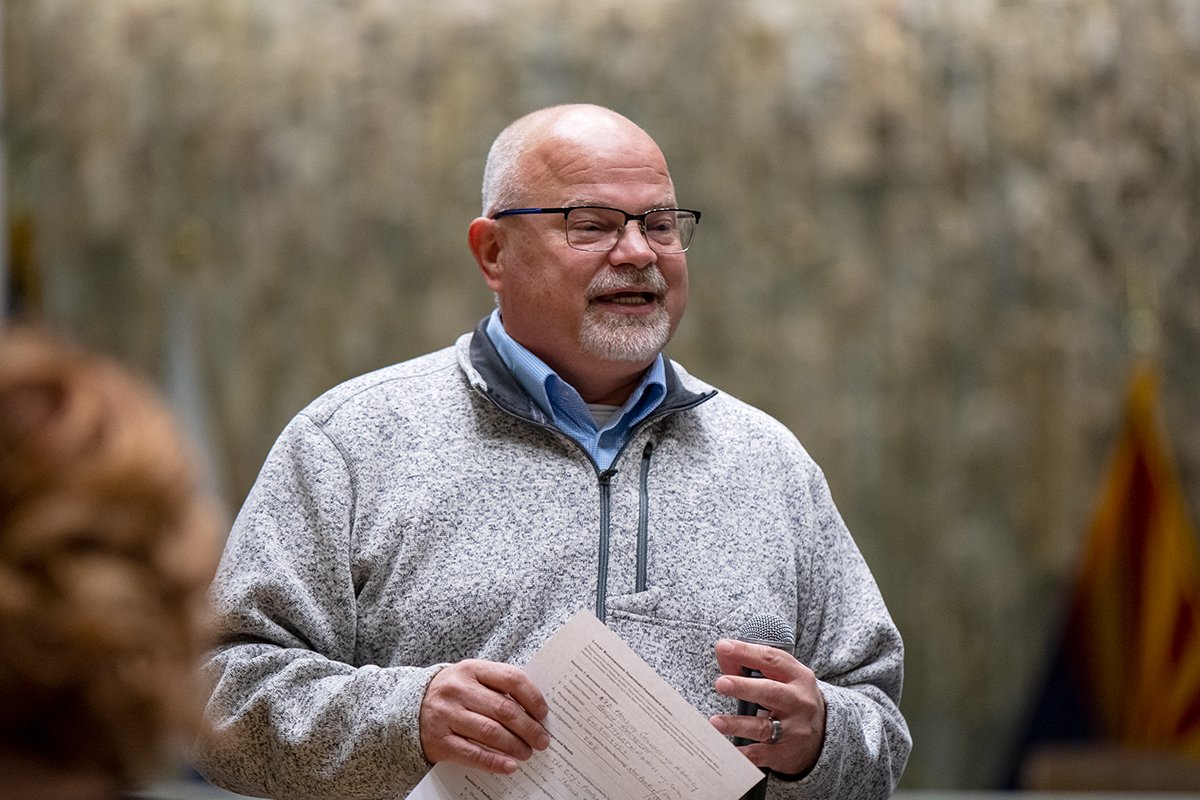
(599, 229)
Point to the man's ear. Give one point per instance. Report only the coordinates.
(482, 236)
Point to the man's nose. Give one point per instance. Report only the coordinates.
(632, 246)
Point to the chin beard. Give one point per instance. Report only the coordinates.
(625, 338)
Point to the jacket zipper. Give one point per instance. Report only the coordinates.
(604, 480)
(605, 528)
(643, 539)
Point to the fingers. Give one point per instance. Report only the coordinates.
(769, 694)
(788, 689)
(773, 663)
(482, 714)
(514, 682)
(801, 739)
(783, 684)
(754, 729)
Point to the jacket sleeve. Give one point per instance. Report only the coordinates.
(290, 714)
(846, 636)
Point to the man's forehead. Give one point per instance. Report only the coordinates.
(573, 166)
(661, 201)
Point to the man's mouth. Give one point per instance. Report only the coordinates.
(627, 298)
(637, 290)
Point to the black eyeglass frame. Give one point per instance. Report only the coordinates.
(639, 218)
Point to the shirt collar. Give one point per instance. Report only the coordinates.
(555, 397)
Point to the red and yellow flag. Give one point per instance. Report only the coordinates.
(1135, 620)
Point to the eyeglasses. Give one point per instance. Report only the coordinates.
(597, 229)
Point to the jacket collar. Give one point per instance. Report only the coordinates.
(499, 384)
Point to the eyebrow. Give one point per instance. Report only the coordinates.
(592, 201)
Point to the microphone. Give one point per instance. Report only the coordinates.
(772, 631)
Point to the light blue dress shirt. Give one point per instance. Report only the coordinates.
(559, 401)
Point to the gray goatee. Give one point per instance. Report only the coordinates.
(618, 337)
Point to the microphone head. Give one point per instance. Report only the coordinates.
(768, 629)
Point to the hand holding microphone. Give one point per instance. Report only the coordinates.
(758, 669)
(770, 631)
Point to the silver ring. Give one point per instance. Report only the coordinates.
(776, 731)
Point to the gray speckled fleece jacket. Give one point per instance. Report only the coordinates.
(426, 513)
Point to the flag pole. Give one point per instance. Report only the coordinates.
(1142, 328)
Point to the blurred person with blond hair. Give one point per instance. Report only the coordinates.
(106, 550)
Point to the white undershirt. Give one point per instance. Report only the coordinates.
(602, 413)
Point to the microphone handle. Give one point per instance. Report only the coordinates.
(758, 791)
(746, 709)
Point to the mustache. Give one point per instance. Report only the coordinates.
(646, 279)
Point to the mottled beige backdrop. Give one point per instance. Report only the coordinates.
(927, 227)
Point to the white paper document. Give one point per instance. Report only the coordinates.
(617, 730)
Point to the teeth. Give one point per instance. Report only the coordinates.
(627, 299)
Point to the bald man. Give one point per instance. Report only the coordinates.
(417, 533)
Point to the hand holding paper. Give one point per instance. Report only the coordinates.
(482, 714)
(617, 730)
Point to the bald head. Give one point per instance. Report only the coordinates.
(598, 318)
(540, 143)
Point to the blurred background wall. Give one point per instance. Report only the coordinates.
(933, 232)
